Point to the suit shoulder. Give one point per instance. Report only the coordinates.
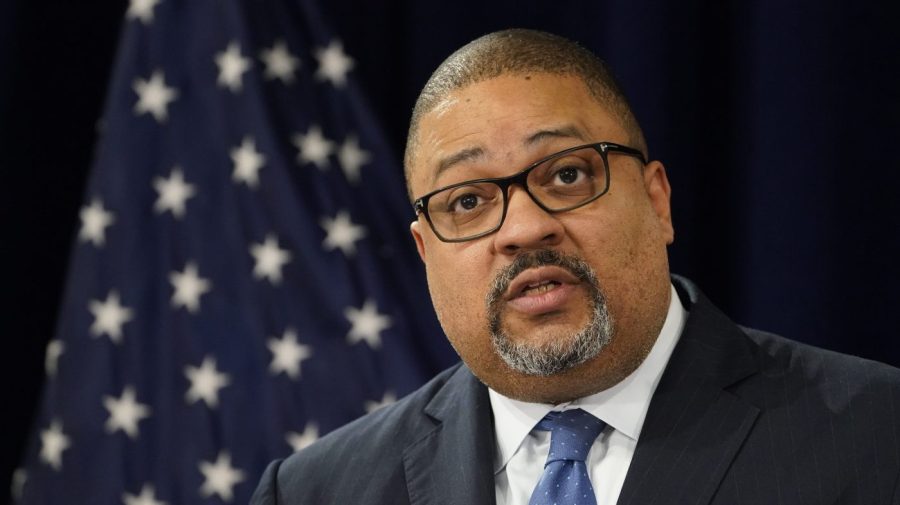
(834, 374)
(365, 451)
(825, 420)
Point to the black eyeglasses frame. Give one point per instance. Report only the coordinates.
(420, 205)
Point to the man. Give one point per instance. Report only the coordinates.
(543, 228)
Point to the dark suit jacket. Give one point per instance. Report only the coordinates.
(739, 417)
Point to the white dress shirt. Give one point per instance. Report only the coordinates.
(521, 453)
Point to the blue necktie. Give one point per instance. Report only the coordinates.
(565, 480)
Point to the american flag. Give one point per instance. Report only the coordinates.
(242, 281)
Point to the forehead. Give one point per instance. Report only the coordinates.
(507, 121)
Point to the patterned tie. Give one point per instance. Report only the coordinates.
(565, 480)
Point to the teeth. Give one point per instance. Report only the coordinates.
(540, 288)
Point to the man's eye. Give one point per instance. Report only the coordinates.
(465, 203)
(569, 175)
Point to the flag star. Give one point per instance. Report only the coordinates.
(280, 63)
(352, 157)
(388, 398)
(313, 147)
(19, 478)
(173, 193)
(154, 96)
(287, 354)
(141, 9)
(53, 443)
(206, 382)
(299, 441)
(247, 162)
(220, 477)
(341, 233)
(125, 412)
(232, 65)
(109, 316)
(147, 497)
(55, 348)
(189, 287)
(94, 220)
(333, 63)
(270, 259)
(367, 324)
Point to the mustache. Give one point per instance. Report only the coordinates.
(566, 351)
(532, 259)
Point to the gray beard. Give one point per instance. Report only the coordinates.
(563, 353)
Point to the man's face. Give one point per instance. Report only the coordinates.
(495, 128)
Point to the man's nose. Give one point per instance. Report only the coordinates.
(527, 225)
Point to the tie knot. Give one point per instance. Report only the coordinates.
(572, 433)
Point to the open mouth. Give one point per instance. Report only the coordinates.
(541, 290)
(540, 280)
(539, 287)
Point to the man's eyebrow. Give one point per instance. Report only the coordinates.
(568, 131)
(473, 153)
(455, 159)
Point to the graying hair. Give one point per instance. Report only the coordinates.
(516, 52)
(562, 353)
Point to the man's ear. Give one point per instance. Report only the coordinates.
(660, 192)
(417, 236)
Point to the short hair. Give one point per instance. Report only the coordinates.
(516, 52)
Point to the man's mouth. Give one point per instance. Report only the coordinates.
(539, 280)
(541, 290)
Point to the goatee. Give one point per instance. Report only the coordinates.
(561, 353)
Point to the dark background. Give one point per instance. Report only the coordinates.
(778, 122)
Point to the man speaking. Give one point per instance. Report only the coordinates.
(589, 374)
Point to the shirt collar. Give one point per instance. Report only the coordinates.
(623, 406)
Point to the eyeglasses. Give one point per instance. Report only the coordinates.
(563, 181)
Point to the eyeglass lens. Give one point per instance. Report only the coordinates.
(559, 183)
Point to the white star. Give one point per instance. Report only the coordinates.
(299, 441)
(314, 147)
(53, 443)
(206, 382)
(125, 412)
(141, 9)
(351, 158)
(388, 398)
(94, 220)
(109, 316)
(147, 497)
(19, 478)
(189, 287)
(287, 354)
(247, 162)
(367, 324)
(173, 193)
(220, 477)
(280, 63)
(333, 63)
(341, 233)
(55, 348)
(269, 259)
(232, 65)
(154, 96)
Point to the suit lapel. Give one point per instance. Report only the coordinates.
(694, 427)
(693, 430)
(453, 464)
